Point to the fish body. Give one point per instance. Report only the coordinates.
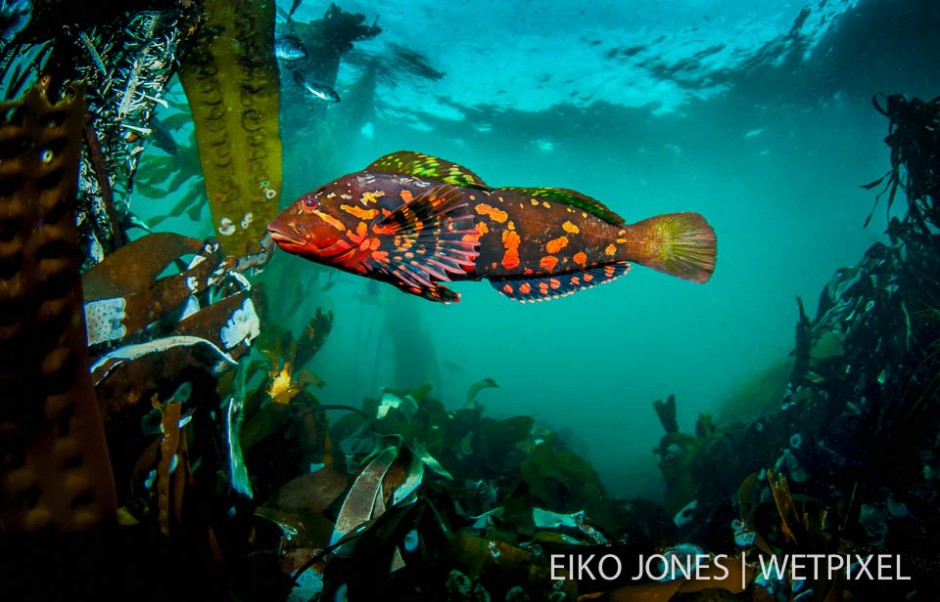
(417, 221)
(317, 90)
(288, 47)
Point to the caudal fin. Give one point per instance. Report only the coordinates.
(680, 244)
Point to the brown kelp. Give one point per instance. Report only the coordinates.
(55, 470)
(143, 330)
(231, 79)
(449, 501)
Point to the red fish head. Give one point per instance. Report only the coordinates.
(311, 228)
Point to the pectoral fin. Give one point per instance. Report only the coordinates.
(425, 242)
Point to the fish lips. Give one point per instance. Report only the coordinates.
(286, 236)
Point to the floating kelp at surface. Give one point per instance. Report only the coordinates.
(55, 470)
(231, 79)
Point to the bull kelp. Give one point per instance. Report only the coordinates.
(192, 413)
(231, 78)
(55, 471)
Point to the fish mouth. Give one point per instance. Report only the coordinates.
(286, 235)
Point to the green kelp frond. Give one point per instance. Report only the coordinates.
(231, 79)
(160, 177)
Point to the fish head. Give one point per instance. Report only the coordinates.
(316, 228)
(307, 227)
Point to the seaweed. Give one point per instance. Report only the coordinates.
(55, 470)
(915, 155)
(230, 76)
(160, 177)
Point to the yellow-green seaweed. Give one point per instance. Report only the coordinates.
(230, 76)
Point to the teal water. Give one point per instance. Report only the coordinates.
(758, 118)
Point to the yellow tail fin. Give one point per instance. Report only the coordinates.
(680, 244)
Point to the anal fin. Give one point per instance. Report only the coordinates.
(529, 289)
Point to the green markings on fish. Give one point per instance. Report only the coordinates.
(417, 221)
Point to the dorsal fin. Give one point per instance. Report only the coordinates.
(410, 163)
(572, 198)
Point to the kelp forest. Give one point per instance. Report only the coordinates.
(161, 436)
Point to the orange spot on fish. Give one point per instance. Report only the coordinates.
(482, 228)
(511, 242)
(570, 228)
(507, 288)
(580, 258)
(405, 195)
(556, 244)
(609, 270)
(525, 288)
(548, 262)
(555, 283)
(546, 205)
(359, 212)
(497, 215)
(359, 235)
(380, 256)
(588, 277)
(330, 220)
(575, 281)
(371, 197)
(543, 288)
(611, 250)
(374, 244)
(535, 202)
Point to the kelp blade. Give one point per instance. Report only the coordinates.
(55, 471)
(230, 76)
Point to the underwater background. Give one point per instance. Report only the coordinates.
(759, 118)
(767, 118)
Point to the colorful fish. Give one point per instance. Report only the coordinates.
(417, 221)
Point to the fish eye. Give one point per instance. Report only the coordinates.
(309, 203)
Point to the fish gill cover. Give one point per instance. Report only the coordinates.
(294, 433)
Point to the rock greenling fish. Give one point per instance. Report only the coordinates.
(417, 221)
